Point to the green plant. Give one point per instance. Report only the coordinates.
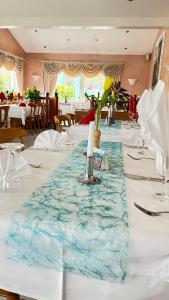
(113, 93)
(33, 95)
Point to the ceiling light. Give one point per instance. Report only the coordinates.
(99, 27)
(69, 27)
(8, 27)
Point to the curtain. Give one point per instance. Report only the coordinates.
(88, 69)
(13, 63)
(49, 82)
(19, 77)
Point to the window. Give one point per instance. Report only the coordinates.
(8, 80)
(74, 88)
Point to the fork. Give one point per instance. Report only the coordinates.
(35, 165)
(139, 158)
(149, 212)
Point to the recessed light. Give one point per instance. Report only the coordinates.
(44, 47)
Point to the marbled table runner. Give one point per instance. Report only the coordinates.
(82, 229)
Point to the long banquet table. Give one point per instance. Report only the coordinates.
(148, 259)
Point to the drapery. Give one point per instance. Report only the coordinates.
(51, 70)
(49, 82)
(11, 62)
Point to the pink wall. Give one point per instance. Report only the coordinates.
(135, 67)
(9, 44)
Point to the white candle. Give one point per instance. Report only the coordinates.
(90, 139)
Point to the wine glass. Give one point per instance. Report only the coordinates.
(11, 180)
(161, 166)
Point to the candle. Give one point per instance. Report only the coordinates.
(90, 139)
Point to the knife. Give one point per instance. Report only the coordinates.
(46, 149)
(134, 146)
(139, 177)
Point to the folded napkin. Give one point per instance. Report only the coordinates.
(144, 109)
(50, 139)
(20, 163)
(158, 127)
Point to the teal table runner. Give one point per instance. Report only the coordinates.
(112, 129)
(68, 226)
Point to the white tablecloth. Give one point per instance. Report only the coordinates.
(148, 260)
(19, 112)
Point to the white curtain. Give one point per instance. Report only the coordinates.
(19, 77)
(49, 82)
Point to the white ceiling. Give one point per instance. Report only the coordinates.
(86, 40)
(153, 13)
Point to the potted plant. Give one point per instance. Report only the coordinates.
(33, 95)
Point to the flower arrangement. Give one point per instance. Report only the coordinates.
(33, 95)
(112, 93)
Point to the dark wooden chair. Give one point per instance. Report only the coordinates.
(9, 134)
(4, 116)
(9, 295)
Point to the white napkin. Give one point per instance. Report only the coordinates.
(144, 109)
(20, 163)
(158, 127)
(50, 139)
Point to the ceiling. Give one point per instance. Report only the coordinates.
(105, 40)
(142, 17)
(118, 13)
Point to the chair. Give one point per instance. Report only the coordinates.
(73, 118)
(8, 134)
(57, 123)
(4, 116)
(9, 295)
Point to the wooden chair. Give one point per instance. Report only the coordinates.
(57, 123)
(8, 134)
(9, 295)
(4, 116)
(73, 118)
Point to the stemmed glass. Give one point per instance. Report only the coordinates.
(164, 195)
(11, 181)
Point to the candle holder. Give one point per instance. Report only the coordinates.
(89, 178)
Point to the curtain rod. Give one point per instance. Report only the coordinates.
(82, 62)
(8, 53)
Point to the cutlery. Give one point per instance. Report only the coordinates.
(149, 212)
(47, 149)
(134, 146)
(139, 158)
(139, 177)
(35, 165)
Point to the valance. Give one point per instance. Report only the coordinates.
(88, 69)
(11, 62)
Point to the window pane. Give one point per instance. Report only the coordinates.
(74, 88)
(8, 80)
